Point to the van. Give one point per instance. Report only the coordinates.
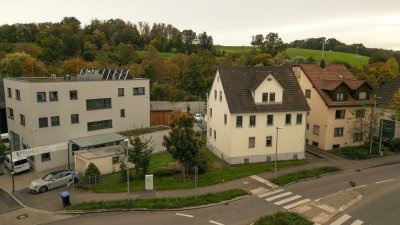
(20, 165)
(5, 139)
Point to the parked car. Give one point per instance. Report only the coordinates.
(20, 164)
(5, 138)
(53, 180)
(198, 117)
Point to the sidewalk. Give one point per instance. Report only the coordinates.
(50, 201)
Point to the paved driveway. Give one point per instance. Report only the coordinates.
(7, 202)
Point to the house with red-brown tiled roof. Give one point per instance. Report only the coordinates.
(336, 99)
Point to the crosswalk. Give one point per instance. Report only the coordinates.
(345, 218)
(285, 199)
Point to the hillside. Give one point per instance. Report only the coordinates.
(306, 53)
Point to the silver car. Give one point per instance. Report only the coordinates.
(52, 180)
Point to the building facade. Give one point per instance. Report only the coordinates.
(246, 105)
(390, 123)
(337, 101)
(3, 116)
(44, 111)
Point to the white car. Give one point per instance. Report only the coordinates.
(52, 180)
(20, 164)
(198, 117)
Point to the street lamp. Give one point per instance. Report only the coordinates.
(276, 148)
(371, 136)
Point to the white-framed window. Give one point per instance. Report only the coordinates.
(252, 142)
(338, 132)
(362, 95)
(268, 141)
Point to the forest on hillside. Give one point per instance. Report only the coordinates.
(41, 49)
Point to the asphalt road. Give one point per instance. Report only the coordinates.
(380, 203)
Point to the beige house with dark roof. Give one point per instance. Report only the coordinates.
(245, 107)
(336, 99)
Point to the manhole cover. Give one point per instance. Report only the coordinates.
(23, 216)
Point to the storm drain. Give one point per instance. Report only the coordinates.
(21, 217)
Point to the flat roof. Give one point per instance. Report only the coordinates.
(61, 79)
(97, 139)
(98, 152)
(160, 106)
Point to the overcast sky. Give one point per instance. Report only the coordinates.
(233, 22)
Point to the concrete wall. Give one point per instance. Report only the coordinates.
(104, 164)
(158, 138)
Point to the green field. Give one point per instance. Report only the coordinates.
(306, 53)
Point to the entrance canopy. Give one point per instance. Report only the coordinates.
(98, 140)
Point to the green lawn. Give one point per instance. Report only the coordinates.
(162, 203)
(283, 218)
(295, 177)
(356, 152)
(219, 172)
(329, 56)
(234, 49)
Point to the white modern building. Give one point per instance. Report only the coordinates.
(50, 110)
(245, 107)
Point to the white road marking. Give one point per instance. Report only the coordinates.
(184, 215)
(341, 220)
(357, 187)
(270, 193)
(301, 202)
(214, 222)
(258, 191)
(357, 222)
(278, 196)
(264, 181)
(287, 200)
(383, 181)
(320, 218)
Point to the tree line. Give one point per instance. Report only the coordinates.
(332, 44)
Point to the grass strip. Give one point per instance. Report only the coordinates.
(161, 203)
(283, 218)
(297, 176)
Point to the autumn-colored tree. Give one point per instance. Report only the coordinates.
(395, 104)
(21, 64)
(182, 142)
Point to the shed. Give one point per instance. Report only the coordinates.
(160, 113)
(106, 159)
(96, 141)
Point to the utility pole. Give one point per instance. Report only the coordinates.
(323, 48)
(276, 149)
(371, 135)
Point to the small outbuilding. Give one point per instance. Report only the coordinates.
(160, 113)
(107, 159)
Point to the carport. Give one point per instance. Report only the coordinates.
(95, 141)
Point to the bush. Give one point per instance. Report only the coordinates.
(283, 218)
(166, 172)
(92, 170)
(297, 176)
(357, 152)
(394, 145)
(202, 161)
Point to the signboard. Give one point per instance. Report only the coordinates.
(39, 150)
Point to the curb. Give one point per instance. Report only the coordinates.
(153, 210)
(342, 171)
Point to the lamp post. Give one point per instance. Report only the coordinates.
(276, 148)
(380, 137)
(371, 135)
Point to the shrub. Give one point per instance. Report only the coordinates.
(92, 170)
(166, 172)
(283, 218)
(202, 161)
(394, 145)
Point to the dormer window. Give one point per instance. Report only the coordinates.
(271, 98)
(339, 96)
(362, 95)
(265, 97)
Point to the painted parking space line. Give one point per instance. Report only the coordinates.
(357, 222)
(384, 181)
(287, 200)
(341, 220)
(301, 202)
(278, 196)
(215, 222)
(270, 193)
(184, 215)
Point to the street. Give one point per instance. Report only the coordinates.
(378, 187)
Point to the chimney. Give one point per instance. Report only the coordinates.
(322, 63)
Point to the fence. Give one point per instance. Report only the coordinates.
(88, 181)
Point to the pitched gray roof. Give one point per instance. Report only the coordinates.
(386, 92)
(160, 106)
(239, 81)
(2, 95)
